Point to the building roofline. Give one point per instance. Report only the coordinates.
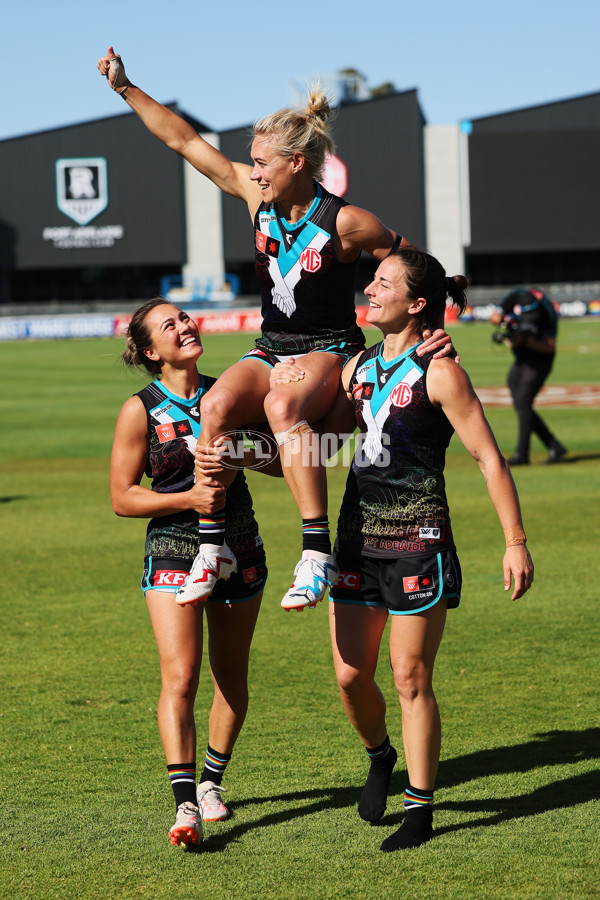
(201, 127)
(522, 109)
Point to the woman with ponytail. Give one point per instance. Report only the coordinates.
(394, 548)
(156, 434)
(307, 245)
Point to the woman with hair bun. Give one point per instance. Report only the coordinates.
(394, 548)
(307, 244)
(156, 434)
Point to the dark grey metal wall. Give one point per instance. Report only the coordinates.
(535, 179)
(145, 197)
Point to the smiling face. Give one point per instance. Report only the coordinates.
(175, 336)
(273, 173)
(390, 307)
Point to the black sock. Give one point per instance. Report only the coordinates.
(214, 766)
(417, 827)
(183, 782)
(315, 535)
(373, 799)
(212, 528)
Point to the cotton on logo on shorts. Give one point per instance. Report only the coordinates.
(170, 577)
(348, 580)
(310, 260)
(417, 583)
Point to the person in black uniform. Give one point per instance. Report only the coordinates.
(394, 547)
(530, 328)
(307, 244)
(156, 433)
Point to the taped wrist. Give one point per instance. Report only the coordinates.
(296, 431)
(121, 81)
(514, 537)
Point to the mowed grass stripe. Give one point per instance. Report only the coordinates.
(85, 802)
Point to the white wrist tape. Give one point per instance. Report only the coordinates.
(121, 81)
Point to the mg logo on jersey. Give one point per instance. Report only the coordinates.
(81, 188)
(348, 580)
(310, 260)
(401, 395)
(169, 577)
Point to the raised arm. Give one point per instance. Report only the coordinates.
(450, 388)
(231, 177)
(127, 465)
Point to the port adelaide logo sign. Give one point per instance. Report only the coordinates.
(81, 188)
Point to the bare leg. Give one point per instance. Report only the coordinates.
(355, 638)
(307, 400)
(178, 633)
(230, 631)
(414, 642)
(237, 398)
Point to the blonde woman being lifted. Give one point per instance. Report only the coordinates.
(307, 244)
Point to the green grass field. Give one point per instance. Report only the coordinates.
(83, 790)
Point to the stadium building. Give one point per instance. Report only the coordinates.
(101, 212)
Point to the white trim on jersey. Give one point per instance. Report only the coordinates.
(373, 445)
(283, 286)
(164, 418)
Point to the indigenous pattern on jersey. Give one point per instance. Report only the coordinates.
(307, 293)
(395, 499)
(173, 429)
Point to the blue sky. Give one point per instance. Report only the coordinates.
(228, 63)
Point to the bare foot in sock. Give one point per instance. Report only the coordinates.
(373, 799)
(416, 830)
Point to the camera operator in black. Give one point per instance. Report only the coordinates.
(530, 326)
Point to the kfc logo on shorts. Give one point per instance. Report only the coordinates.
(401, 395)
(169, 578)
(350, 581)
(310, 260)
